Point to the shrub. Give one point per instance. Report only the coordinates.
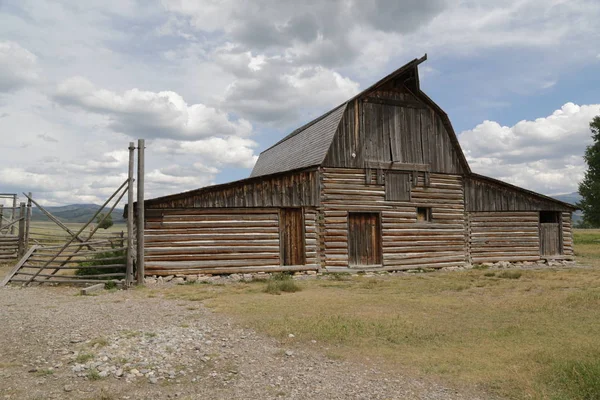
(108, 257)
(488, 274)
(340, 276)
(104, 223)
(281, 276)
(510, 274)
(281, 282)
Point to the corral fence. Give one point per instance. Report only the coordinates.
(13, 227)
(57, 253)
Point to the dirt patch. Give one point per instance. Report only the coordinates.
(122, 345)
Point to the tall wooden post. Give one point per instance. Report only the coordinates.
(1, 216)
(140, 213)
(27, 222)
(21, 249)
(130, 252)
(12, 216)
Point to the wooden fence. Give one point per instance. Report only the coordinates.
(14, 225)
(58, 254)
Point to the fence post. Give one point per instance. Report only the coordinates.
(21, 249)
(1, 215)
(129, 269)
(27, 222)
(14, 211)
(140, 213)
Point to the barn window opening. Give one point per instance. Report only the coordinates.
(397, 186)
(423, 214)
(549, 217)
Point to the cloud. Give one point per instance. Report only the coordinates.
(139, 113)
(544, 154)
(310, 30)
(230, 151)
(47, 138)
(268, 89)
(18, 67)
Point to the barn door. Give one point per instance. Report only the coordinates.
(364, 239)
(550, 233)
(292, 237)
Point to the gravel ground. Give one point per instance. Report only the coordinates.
(121, 345)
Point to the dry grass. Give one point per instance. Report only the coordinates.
(519, 334)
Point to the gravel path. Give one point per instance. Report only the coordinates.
(121, 345)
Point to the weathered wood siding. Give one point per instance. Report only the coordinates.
(406, 243)
(189, 241)
(485, 195)
(567, 230)
(504, 236)
(392, 125)
(293, 189)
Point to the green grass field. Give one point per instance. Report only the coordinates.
(518, 334)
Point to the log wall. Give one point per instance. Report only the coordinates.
(504, 236)
(567, 229)
(217, 240)
(406, 243)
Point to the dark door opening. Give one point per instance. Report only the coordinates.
(291, 230)
(364, 239)
(550, 233)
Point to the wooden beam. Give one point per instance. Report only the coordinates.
(397, 166)
(140, 213)
(394, 102)
(27, 221)
(21, 250)
(91, 289)
(14, 208)
(18, 266)
(130, 252)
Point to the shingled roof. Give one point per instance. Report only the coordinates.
(305, 147)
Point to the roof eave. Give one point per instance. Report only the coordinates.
(526, 191)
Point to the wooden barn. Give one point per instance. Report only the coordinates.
(378, 183)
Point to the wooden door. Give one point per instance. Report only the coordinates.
(550, 243)
(292, 237)
(364, 239)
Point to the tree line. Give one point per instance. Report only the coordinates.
(589, 187)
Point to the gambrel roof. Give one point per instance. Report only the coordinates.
(308, 145)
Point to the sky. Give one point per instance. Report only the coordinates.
(211, 83)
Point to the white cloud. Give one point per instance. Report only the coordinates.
(544, 154)
(18, 67)
(231, 151)
(150, 114)
(198, 66)
(272, 90)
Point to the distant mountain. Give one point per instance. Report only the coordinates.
(572, 198)
(74, 213)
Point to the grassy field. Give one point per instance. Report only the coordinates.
(516, 334)
(587, 246)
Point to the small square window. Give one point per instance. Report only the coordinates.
(423, 214)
